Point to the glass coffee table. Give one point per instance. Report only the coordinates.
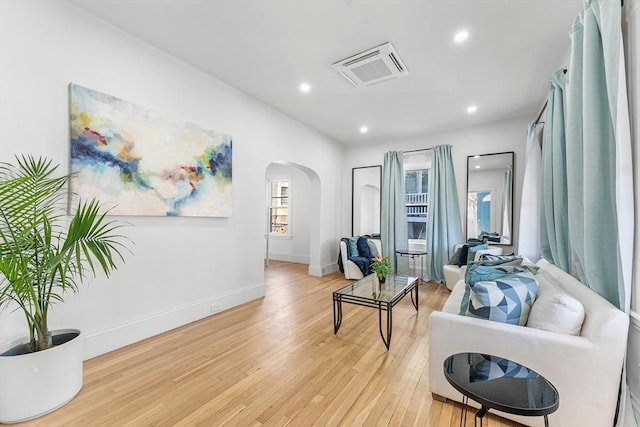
(501, 384)
(369, 292)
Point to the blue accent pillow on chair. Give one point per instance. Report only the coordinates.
(353, 246)
(363, 248)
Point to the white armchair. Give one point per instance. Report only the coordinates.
(351, 270)
(453, 273)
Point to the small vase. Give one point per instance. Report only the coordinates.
(382, 278)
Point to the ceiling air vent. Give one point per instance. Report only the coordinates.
(372, 66)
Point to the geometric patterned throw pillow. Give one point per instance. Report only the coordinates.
(507, 299)
(478, 272)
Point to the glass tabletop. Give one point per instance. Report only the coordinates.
(370, 287)
(501, 384)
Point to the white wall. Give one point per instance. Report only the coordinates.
(181, 269)
(293, 248)
(508, 135)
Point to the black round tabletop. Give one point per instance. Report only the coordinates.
(501, 384)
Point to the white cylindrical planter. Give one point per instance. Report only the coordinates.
(34, 384)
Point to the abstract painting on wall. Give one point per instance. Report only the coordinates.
(139, 162)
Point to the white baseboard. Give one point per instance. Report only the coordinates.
(104, 341)
(300, 259)
(319, 271)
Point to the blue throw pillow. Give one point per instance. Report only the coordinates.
(462, 256)
(471, 255)
(363, 248)
(455, 258)
(508, 299)
(353, 246)
(464, 252)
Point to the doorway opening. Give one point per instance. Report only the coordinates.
(292, 215)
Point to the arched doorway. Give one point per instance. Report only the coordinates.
(292, 214)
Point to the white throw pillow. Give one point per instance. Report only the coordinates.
(556, 311)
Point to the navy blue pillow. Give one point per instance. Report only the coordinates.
(363, 248)
(464, 252)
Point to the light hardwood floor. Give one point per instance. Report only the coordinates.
(274, 361)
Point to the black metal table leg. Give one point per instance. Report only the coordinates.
(337, 313)
(480, 414)
(463, 410)
(415, 301)
(386, 340)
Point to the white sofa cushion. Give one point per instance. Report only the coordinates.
(556, 311)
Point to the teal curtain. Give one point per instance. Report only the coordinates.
(601, 232)
(596, 165)
(529, 224)
(393, 228)
(600, 175)
(554, 227)
(444, 227)
(507, 204)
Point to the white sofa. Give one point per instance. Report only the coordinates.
(585, 368)
(351, 270)
(453, 273)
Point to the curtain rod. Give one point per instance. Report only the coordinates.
(415, 151)
(544, 106)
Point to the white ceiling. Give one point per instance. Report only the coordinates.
(266, 48)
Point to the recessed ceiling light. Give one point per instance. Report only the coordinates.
(305, 87)
(461, 36)
(472, 109)
(364, 129)
(477, 166)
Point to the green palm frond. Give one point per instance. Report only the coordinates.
(41, 259)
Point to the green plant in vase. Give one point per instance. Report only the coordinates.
(44, 254)
(381, 267)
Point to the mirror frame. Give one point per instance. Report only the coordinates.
(353, 195)
(466, 217)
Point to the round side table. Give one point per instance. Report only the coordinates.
(501, 384)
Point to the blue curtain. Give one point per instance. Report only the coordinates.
(393, 230)
(598, 192)
(601, 232)
(554, 227)
(529, 224)
(507, 205)
(444, 227)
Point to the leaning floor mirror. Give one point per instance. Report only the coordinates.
(490, 197)
(365, 202)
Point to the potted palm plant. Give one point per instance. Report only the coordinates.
(44, 255)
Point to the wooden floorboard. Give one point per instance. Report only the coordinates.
(272, 362)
